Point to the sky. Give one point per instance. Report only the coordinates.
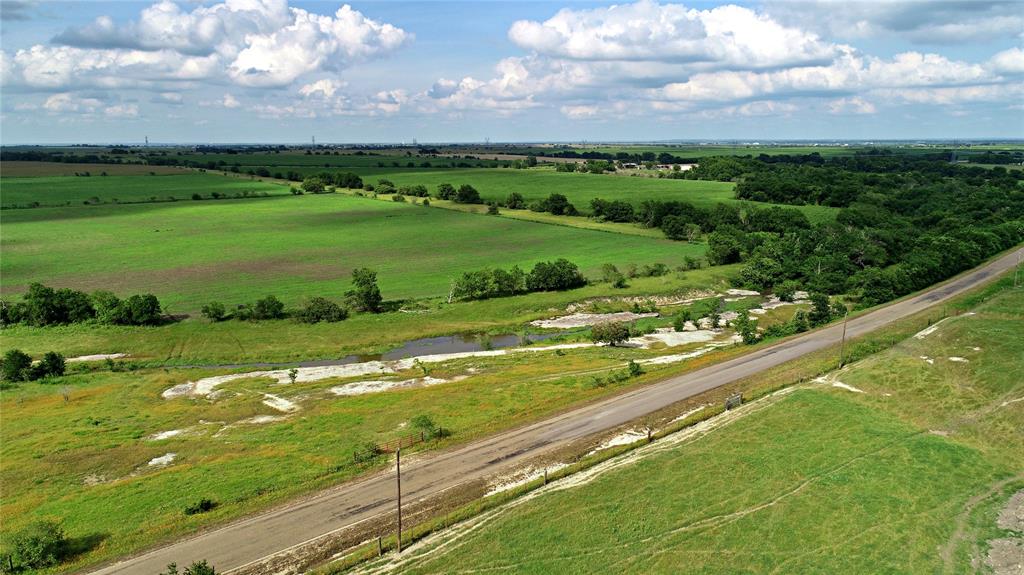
(283, 71)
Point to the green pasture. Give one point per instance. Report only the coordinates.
(329, 160)
(824, 480)
(235, 251)
(539, 183)
(76, 190)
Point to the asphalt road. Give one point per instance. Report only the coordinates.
(250, 540)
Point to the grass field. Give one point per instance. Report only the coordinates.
(539, 183)
(904, 477)
(327, 160)
(96, 189)
(189, 253)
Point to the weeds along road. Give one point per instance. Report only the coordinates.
(261, 536)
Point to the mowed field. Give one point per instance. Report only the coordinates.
(74, 191)
(905, 476)
(190, 253)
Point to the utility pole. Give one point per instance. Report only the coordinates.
(842, 344)
(398, 480)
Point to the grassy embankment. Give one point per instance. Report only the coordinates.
(905, 476)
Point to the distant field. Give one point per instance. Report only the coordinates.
(37, 169)
(74, 191)
(189, 253)
(905, 477)
(537, 184)
(288, 160)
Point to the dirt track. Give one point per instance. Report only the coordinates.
(253, 539)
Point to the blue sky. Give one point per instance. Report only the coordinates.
(281, 71)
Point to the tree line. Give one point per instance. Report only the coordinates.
(45, 306)
(558, 275)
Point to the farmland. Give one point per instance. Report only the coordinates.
(189, 253)
(901, 470)
(113, 189)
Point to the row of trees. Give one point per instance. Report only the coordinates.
(365, 296)
(17, 365)
(558, 275)
(44, 306)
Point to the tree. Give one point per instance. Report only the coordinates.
(746, 327)
(800, 322)
(313, 185)
(319, 309)
(786, 290)
(445, 192)
(467, 194)
(492, 208)
(196, 568)
(515, 201)
(610, 332)
(612, 275)
(558, 205)
(52, 365)
(723, 248)
(16, 365)
(214, 311)
(365, 294)
(679, 322)
(425, 424)
(821, 310)
(41, 544)
(108, 307)
(560, 274)
(268, 308)
(142, 310)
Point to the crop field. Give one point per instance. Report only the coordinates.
(189, 253)
(46, 169)
(330, 160)
(903, 473)
(97, 189)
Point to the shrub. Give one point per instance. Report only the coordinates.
(611, 332)
(16, 365)
(201, 506)
(319, 309)
(634, 369)
(515, 201)
(196, 568)
(612, 275)
(492, 208)
(214, 311)
(41, 544)
(467, 194)
(268, 308)
(398, 198)
(52, 365)
(445, 192)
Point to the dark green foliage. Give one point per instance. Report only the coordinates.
(558, 205)
(560, 274)
(821, 310)
(484, 284)
(365, 294)
(724, 247)
(196, 568)
(492, 208)
(319, 309)
(679, 322)
(611, 332)
(786, 291)
(16, 366)
(313, 185)
(467, 194)
(614, 211)
(42, 544)
(141, 310)
(445, 192)
(268, 308)
(214, 311)
(201, 506)
(52, 365)
(515, 201)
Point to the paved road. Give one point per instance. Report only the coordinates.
(258, 537)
